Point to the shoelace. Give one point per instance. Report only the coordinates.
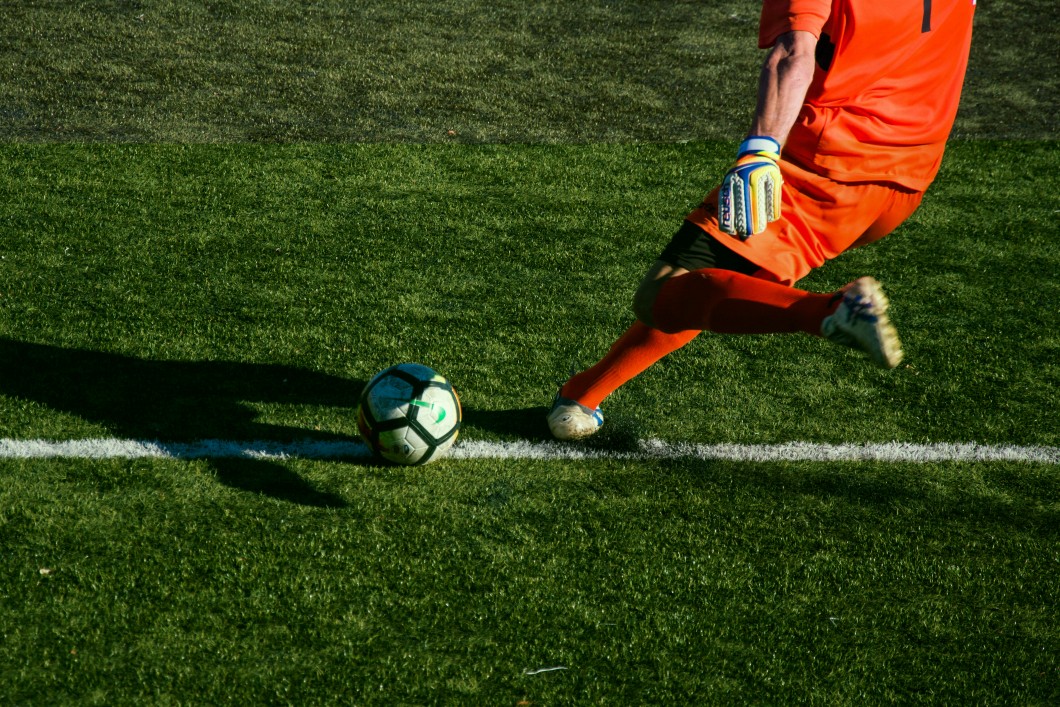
(861, 308)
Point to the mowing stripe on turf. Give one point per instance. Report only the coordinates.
(470, 449)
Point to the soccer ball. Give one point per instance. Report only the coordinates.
(409, 414)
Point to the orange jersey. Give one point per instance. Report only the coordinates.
(886, 87)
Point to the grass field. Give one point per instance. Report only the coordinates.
(220, 219)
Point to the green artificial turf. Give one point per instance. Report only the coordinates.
(247, 292)
(649, 583)
(218, 220)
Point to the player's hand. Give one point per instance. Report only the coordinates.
(750, 193)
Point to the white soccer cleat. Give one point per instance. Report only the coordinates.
(570, 420)
(861, 322)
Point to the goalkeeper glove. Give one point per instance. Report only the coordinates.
(750, 193)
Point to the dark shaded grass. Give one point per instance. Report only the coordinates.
(441, 71)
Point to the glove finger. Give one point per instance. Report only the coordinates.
(726, 207)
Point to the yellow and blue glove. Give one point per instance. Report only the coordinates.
(750, 193)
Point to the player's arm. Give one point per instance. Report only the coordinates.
(786, 76)
(750, 193)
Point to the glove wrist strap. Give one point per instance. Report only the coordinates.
(759, 143)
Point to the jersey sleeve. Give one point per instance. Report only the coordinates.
(780, 16)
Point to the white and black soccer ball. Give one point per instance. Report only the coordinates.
(409, 414)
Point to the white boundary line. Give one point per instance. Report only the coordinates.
(470, 449)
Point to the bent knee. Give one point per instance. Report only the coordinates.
(644, 304)
(648, 291)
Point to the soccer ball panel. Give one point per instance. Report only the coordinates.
(405, 446)
(388, 397)
(435, 409)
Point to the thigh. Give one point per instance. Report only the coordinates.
(902, 205)
(648, 289)
(693, 248)
(820, 219)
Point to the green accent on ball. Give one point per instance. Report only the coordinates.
(440, 410)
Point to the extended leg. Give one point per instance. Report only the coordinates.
(575, 413)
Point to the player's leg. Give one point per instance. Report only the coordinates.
(638, 348)
(733, 303)
(575, 413)
(673, 305)
(729, 302)
(701, 283)
(822, 218)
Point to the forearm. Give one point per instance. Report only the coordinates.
(785, 78)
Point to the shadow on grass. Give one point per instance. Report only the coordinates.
(524, 423)
(181, 401)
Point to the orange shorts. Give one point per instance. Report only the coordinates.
(819, 219)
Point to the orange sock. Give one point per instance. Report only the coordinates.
(723, 301)
(732, 303)
(635, 350)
